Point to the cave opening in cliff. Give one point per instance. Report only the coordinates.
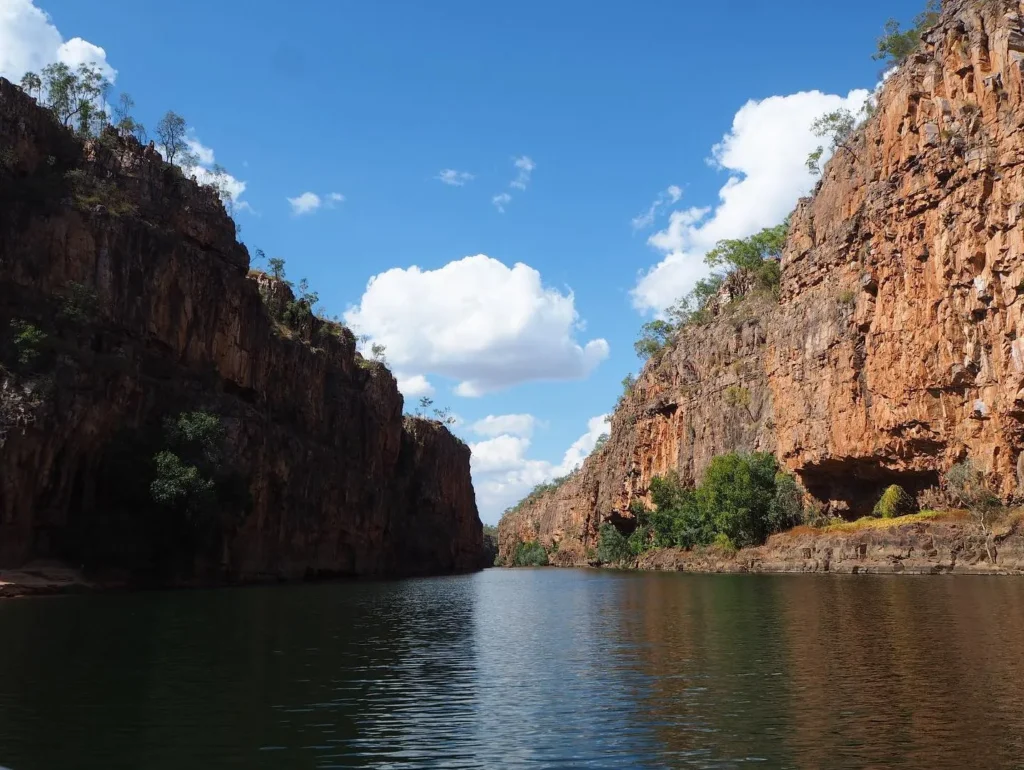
(851, 487)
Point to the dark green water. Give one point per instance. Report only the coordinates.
(538, 668)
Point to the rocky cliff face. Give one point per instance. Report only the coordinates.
(135, 277)
(894, 350)
(897, 351)
(707, 395)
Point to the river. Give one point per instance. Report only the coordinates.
(522, 668)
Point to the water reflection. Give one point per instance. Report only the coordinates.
(539, 668)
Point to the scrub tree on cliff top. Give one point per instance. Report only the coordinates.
(742, 266)
(172, 133)
(837, 126)
(895, 45)
(75, 97)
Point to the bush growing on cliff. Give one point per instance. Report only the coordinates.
(837, 126)
(743, 497)
(80, 304)
(191, 477)
(893, 502)
(967, 485)
(28, 341)
(741, 267)
(529, 554)
(895, 45)
(612, 546)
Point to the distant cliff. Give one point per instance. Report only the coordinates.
(125, 300)
(895, 349)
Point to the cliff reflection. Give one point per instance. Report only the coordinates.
(826, 671)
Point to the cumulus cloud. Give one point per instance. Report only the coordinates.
(414, 386)
(764, 154)
(477, 321)
(207, 172)
(511, 424)
(309, 202)
(500, 201)
(306, 203)
(454, 178)
(29, 41)
(503, 474)
(666, 197)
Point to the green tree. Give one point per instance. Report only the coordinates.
(32, 83)
(736, 494)
(172, 132)
(654, 337)
(612, 546)
(75, 97)
(531, 554)
(276, 265)
(787, 507)
(190, 471)
(29, 341)
(895, 44)
(837, 126)
(967, 485)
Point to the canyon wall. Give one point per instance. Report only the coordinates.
(706, 395)
(893, 350)
(336, 481)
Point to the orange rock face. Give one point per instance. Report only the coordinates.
(896, 352)
(896, 347)
(336, 481)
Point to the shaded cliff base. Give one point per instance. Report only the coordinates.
(919, 544)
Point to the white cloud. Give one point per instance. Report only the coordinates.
(454, 178)
(414, 386)
(309, 202)
(526, 166)
(500, 201)
(229, 188)
(666, 197)
(477, 321)
(512, 424)
(201, 151)
(503, 474)
(306, 203)
(77, 51)
(764, 153)
(29, 41)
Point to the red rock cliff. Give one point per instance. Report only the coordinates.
(896, 347)
(337, 482)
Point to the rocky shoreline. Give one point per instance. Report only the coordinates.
(942, 547)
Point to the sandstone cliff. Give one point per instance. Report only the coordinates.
(336, 481)
(893, 351)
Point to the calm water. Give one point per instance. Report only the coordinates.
(539, 668)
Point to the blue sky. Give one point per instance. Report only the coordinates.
(605, 106)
